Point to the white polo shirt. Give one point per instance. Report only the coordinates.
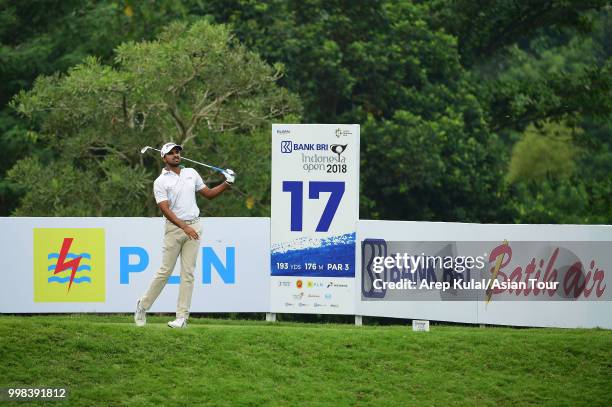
(180, 191)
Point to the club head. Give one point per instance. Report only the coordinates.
(144, 149)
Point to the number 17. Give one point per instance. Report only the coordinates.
(314, 188)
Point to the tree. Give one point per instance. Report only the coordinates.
(426, 151)
(190, 81)
(544, 152)
(560, 166)
(487, 27)
(43, 37)
(443, 90)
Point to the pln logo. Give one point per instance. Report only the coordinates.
(69, 265)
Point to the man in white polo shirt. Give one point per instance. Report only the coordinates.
(174, 191)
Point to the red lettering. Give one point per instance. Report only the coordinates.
(575, 281)
(587, 291)
(516, 277)
(505, 251)
(501, 250)
(599, 276)
(536, 290)
(528, 270)
(550, 275)
(575, 272)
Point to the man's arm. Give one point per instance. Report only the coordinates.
(189, 231)
(211, 193)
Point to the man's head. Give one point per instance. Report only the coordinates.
(171, 154)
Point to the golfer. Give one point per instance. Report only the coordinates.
(174, 191)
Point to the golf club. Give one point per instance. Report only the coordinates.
(144, 150)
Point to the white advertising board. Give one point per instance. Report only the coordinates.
(117, 257)
(315, 209)
(522, 275)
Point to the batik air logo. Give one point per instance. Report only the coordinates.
(69, 265)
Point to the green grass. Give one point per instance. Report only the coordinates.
(106, 360)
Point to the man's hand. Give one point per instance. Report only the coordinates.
(191, 232)
(230, 176)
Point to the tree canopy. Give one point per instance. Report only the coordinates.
(193, 79)
(493, 111)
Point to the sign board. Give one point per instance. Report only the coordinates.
(418, 325)
(315, 209)
(523, 275)
(114, 260)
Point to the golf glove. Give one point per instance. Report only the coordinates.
(230, 176)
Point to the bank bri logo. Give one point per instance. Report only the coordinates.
(69, 265)
(286, 146)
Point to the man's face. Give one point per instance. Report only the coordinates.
(173, 158)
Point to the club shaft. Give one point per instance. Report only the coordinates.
(205, 165)
(195, 162)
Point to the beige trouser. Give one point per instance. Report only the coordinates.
(175, 242)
